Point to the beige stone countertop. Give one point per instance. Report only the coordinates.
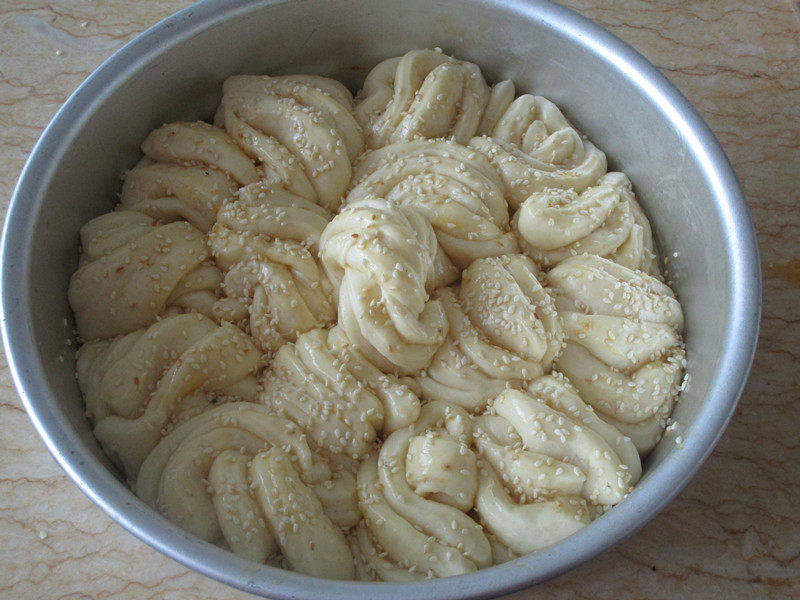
(734, 532)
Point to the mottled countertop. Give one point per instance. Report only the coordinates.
(734, 532)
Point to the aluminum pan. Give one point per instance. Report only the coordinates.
(680, 172)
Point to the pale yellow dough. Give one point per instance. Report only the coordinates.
(504, 331)
(133, 269)
(422, 95)
(188, 172)
(405, 335)
(604, 220)
(381, 257)
(453, 187)
(267, 243)
(411, 527)
(624, 351)
(534, 147)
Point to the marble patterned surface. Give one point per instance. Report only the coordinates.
(733, 533)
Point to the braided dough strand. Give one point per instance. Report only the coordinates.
(423, 94)
(188, 172)
(534, 147)
(382, 257)
(504, 331)
(133, 269)
(267, 243)
(453, 187)
(413, 494)
(624, 351)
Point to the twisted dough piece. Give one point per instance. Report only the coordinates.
(455, 188)
(414, 496)
(189, 171)
(605, 220)
(545, 455)
(423, 94)
(534, 147)
(242, 474)
(267, 242)
(381, 256)
(503, 331)
(624, 351)
(337, 396)
(299, 127)
(134, 386)
(132, 269)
